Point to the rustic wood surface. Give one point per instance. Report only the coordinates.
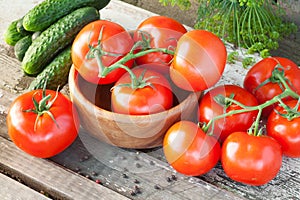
(120, 173)
(11, 189)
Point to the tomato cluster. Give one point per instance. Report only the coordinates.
(165, 53)
(232, 115)
(143, 65)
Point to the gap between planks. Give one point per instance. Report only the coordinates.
(43, 175)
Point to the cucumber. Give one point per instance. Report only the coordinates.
(55, 38)
(35, 35)
(21, 47)
(21, 29)
(12, 35)
(56, 73)
(46, 13)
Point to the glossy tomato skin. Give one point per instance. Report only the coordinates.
(115, 40)
(153, 98)
(199, 61)
(262, 70)
(249, 159)
(209, 108)
(189, 150)
(48, 139)
(164, 32)
(286, 132)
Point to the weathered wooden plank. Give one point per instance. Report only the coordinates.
(284, 186)
(100, 161)
(11, 189)
(46, 176)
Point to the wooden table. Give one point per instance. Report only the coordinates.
(89, 169)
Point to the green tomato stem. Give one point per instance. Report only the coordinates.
(131, 56)
(286, 93)
(120, 63)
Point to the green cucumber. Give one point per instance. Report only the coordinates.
(56, 73)
(21, 47)
(21, 29)
(49, 11)
(55, 38)
(12, 35)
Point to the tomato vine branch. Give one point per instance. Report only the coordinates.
(287, 92)
(144, 48)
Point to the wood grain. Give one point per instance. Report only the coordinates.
(49, 177)
(11, 189)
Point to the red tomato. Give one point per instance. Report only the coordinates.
(262, 70)
(209, 108)
(199, 60)
(189, 150)
(286, 132)
(115, 40)
(249, 159)
(155, 97)
(42, 137)
(164, 33)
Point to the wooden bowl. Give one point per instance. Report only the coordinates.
(127, 131)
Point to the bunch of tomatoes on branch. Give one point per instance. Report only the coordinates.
(248, 129)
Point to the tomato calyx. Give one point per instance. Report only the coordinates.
(256, 129)
(138, 82)
(290, 113)
(224, 102)
(278, 76)
(43, 107)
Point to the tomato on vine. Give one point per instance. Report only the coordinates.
(189, 150)
(163, 32)
(210, 107)
(260, 81)
(199, 60)
(141, 92)
(284, 125)
(97, 46)
(42, 123)
(251, 159)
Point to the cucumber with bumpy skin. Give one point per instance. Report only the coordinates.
(21, 29)
(55, 38)
(12, 35)
(21, 47)
(49, 11)
(56, 73)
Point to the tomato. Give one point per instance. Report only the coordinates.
(209, 108)
(286, 132)
(115, 41)
(199, 60)
(249, 159)
(164, 32)
(42, 136)
(262, 70)
(155, 96)
(189, 150)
